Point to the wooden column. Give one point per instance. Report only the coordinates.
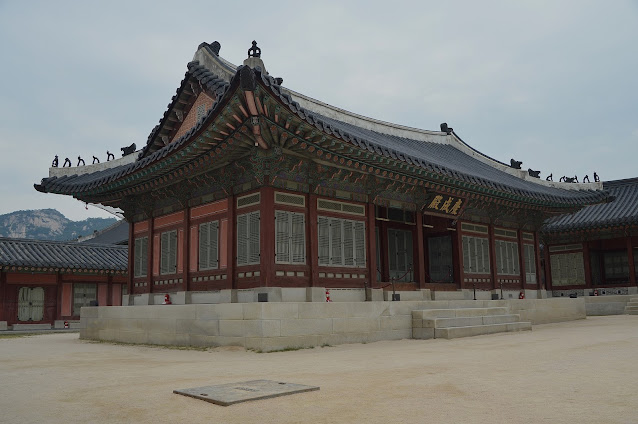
(587, 264)
(109, 290)
(372, 246)
(150, 251)
(3, 289)
(457, 258)
(312, 243)
(420, 251)
(231, 243)
(630, 260)
(267, 236)
(548, 270)
(131, 257)
(492, 243)
(537, 258)
(58, 296)
(186, 248)
(383, 249)
(521, 257)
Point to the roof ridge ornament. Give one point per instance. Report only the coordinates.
(253, 60)
(254, 51)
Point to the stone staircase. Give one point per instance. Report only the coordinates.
(464, 322)
(632, 306)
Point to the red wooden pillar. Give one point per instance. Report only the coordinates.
(109, 290)
(150, 268)
(420, 252)
(372, 245)
(587, 264)
(131, 257)
(267, 236)
(457, 258)
(3, 285)
(630, 261)
(521, 257)
(231, 242)
(492, 243)
(537, 258)
(383, 249)
(548, 270)
(186, 248)
(58, 302)
(312, 244)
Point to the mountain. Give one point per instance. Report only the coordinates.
(48, 224)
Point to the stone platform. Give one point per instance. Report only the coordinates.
(275, 326)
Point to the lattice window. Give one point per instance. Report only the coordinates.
(248, 238)
(249, 200)
(341, 242)
(290, 238)
(530, 263)
(507, 258)
(616, 265)
(209, 245)
(290, 199)
(400, 253)
(476, 255)
(83, 295)
(168, 252)
(349, 208)
(567, 269)
(140, 260)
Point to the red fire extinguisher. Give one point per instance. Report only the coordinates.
(521, 295)
(167, 299)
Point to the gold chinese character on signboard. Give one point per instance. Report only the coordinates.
(435, 202)
(446, 205)
(456, 207)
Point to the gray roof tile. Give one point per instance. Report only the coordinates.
(54, 254)
(623, 210)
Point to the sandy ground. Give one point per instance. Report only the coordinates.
(577, 372)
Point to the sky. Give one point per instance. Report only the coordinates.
(551, 83)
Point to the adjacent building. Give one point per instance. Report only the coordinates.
(47, 282)
(595, 250)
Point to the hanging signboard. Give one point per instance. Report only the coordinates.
(443, 204)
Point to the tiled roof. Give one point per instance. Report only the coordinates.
(114, 234)
(209, 81)
(70, 184)
(623, 210)
(439, 158)
(63, 255)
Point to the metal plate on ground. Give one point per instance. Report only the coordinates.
(228, 394)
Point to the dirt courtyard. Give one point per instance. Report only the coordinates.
(575, 372)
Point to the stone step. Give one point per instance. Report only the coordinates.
(632, 312)
(476, 330)
(457, 313)
(631, 307)
(632, 303)
(469, 321)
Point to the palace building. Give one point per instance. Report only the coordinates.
(247, 187)
(45, 283)
(594, 251)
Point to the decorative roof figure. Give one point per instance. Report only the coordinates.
(215, 47)
(254, 51)
(55, 162)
